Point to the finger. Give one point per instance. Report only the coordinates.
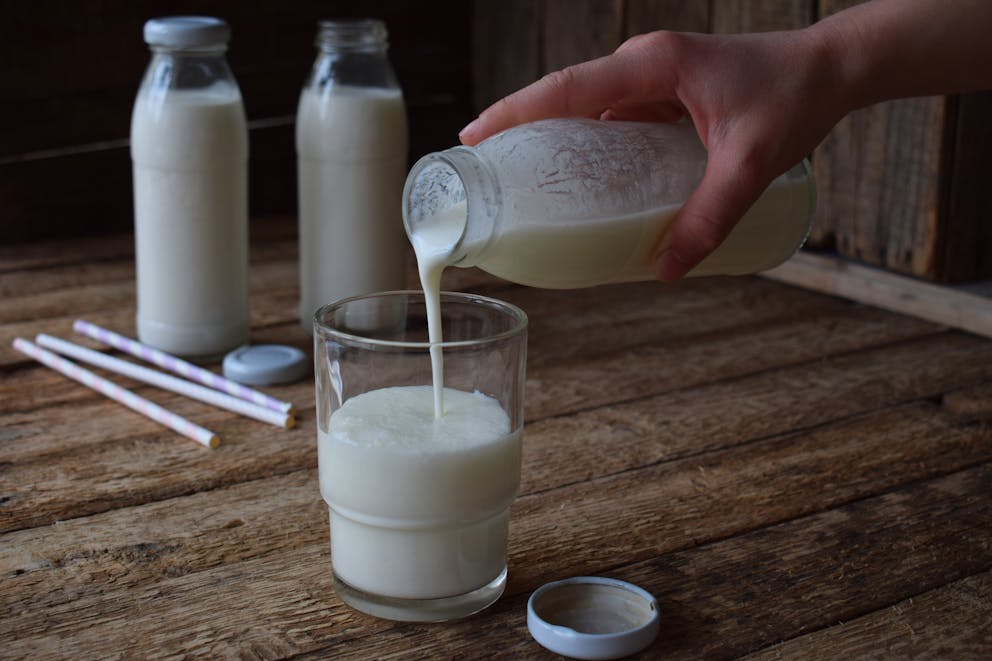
(724, 195)
(582, 90)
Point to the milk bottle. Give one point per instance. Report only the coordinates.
(189, 148)
(565, 203)
(351, 143)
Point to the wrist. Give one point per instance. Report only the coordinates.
(840, 51)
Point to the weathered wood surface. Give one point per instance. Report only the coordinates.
(792, 475)
(955, 307)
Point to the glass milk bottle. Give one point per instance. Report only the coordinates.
(351, 145)
(189, 148)
(565, 203)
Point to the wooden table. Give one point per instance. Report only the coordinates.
(792, 475)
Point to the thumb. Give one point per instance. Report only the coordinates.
(724, 195)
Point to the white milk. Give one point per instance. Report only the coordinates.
(190, 152)
(589, 252)
(433, 521)
(431, 247)
(352, 146)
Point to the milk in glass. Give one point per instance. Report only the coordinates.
(419, 505)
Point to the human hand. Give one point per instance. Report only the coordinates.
(760, 103)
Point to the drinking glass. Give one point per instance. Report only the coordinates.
(419, 506)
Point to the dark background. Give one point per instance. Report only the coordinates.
(71, 70)
(901, 185)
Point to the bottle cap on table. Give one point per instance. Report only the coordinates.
(590, 617)
(265, 364)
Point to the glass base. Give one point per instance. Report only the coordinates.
(422, 610)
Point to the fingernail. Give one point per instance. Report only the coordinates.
(469, 129)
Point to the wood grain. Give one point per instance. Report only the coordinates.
(708, 498)
(922, 626)
(768, 461)
(760, 15)
(898, 293)
(574, 32)
(967, 250)
(505, 48)
(680, 15)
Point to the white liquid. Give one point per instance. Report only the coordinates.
(432, 247)
(418, 505)
(190, 153)
(351, 144)
(582, 253)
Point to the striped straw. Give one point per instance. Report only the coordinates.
(167, 382)
(179, 366)
(115, 392)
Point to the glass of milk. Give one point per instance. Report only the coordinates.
(419, 504)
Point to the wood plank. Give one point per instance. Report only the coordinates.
(679, 15)
(881, 178)
(732, 16)
(271, 237)
(723, 599)
(972, 404)
(967, 251)
(47, 476)
(274, 294)
(839, 277)
(505, 55)
(952, 621)
(272, 288)
(574, 31)
(708, 416)
(707, 498)
(682, 359)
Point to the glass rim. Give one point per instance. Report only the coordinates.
(517, 314)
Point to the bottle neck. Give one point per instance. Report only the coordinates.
(190, 69)
(365, 35)
(451, 200)
(213, 50)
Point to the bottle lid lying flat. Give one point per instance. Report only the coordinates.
(590, 617)
(265, 364)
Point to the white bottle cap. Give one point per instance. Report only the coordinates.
(265, 364)
(590, 617)
(186, 31)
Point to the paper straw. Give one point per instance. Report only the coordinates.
(165, 381)
(179, 366)
(118, 394)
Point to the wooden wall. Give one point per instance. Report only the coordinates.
(70, 71)
(900, 184)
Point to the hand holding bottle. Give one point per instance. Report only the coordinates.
(761, 101)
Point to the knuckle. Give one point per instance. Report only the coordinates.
(561, 81)
(660, 40)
